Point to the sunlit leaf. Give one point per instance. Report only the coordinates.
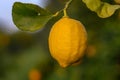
(107, 10)
(102, 9)
(93, 5)
(29, 17)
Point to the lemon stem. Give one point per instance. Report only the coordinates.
(65, 8)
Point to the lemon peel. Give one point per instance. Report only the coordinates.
(67, 41)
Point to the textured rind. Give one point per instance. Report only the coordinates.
(67, 41)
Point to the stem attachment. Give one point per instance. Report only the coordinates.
(65, 8)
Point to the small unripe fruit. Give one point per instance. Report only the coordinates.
(34, 75)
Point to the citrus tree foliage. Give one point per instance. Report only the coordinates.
(31, 17)
(103, 9)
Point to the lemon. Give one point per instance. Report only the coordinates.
(67, 41)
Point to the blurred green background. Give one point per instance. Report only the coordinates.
(21, 52)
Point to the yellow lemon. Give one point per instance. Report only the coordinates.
(67, 41)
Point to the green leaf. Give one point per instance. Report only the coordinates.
(93, 5)
(107, 10)
(102, 9)
(29, 17)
